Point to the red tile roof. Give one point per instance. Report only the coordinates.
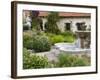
(61, 14)
(67, 14)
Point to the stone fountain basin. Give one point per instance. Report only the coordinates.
(70, 48)
(65, 45)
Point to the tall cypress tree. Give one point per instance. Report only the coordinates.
(51, 25)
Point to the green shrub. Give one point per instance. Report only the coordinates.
(36, 41)
(64, 60)
(57, 39)
(68, 60)
(54, 38)
(63, 37)
(68, 36)
(34, 61)
(67, 33)
(26, 59)
(50, 34)
(69, 39)
(80, 62)
(27, 41)
(41, 44)
(39, 62)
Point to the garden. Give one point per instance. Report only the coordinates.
(38, 42)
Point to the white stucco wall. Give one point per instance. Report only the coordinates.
(73, 21)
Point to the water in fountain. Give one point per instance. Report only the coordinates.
(77, 43)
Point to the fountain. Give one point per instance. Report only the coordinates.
(81, 45)
(84, 37)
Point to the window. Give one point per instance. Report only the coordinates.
(67, 26)
(81, 26)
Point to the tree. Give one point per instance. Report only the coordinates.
(36, 21)
(51, 24)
